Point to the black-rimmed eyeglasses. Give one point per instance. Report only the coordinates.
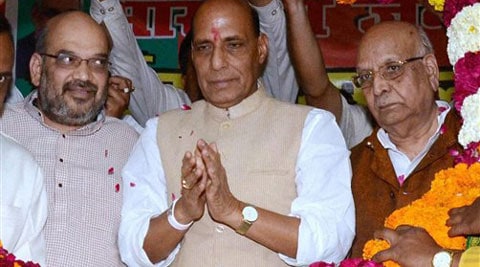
(69, 61)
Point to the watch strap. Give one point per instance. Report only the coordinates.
(244, 227)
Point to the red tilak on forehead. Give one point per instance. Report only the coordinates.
(215, 33)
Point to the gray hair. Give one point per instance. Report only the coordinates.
(426, 44)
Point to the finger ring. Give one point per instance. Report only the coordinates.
(185, 185)
(127, 90)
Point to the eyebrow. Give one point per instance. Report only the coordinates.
(225, 39)
(384, 62)
(69, 52)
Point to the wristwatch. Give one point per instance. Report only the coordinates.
(250, 215)
(442, 259)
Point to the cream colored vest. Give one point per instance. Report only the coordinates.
(259, 140)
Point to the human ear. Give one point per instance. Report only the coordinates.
(431, 68)
(36, 63)
(262, 48)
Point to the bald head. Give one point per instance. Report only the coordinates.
(397, 35)
(403, 84)
(75, 25)
(72, 87)
(228, 51)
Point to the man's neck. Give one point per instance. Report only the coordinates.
(411, 138)
(58, 126)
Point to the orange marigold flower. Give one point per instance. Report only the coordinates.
(346, 2)
(375, 245)
(451, 188)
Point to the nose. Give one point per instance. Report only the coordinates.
(82, 71)
(218, 59)
(379, 84)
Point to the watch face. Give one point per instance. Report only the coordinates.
(250, 214)
(442, 259)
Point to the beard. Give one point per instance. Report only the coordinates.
(54, 105)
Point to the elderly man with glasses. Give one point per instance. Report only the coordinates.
(80, 150)
(398, 73)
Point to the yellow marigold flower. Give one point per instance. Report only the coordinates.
(437, 4)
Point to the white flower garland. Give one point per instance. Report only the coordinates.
(471, 124)
(464, 33)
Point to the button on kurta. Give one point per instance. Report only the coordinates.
(226, 125)
(220, 228)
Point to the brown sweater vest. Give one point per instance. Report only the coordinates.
(376, 190)
(259, 140)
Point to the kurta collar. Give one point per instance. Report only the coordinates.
(243, 108)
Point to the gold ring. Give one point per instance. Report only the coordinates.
(185, 185)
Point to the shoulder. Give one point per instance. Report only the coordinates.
(368, 146)
(14, 109)
(120, 128)
(12, 152)
(185, 111)
(290, 107)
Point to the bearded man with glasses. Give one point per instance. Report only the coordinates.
(80, 150)
(395, 165)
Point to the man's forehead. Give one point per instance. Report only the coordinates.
(377, 52)
(221, 29)
(77, 37)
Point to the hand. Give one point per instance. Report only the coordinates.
(409, 246)
(193, 181)
(221, 203)
(465, 220)
(259, 3)
(294, 6)
(117, 99)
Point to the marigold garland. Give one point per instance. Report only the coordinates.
(346, 2)
(464, 33)
(351, 2)
(9, 260)
(470, 110)
(467, 78)
(437, 4)
(458, 186)
(452, 7)
(453, 187)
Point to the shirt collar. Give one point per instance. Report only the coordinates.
(443, 108)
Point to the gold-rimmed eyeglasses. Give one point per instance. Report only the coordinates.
(389, 71)
(68, 61)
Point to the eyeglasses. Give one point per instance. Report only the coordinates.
(68, 61)
(389, 71)
(5, 78)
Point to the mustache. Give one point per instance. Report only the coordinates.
(75, 84)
